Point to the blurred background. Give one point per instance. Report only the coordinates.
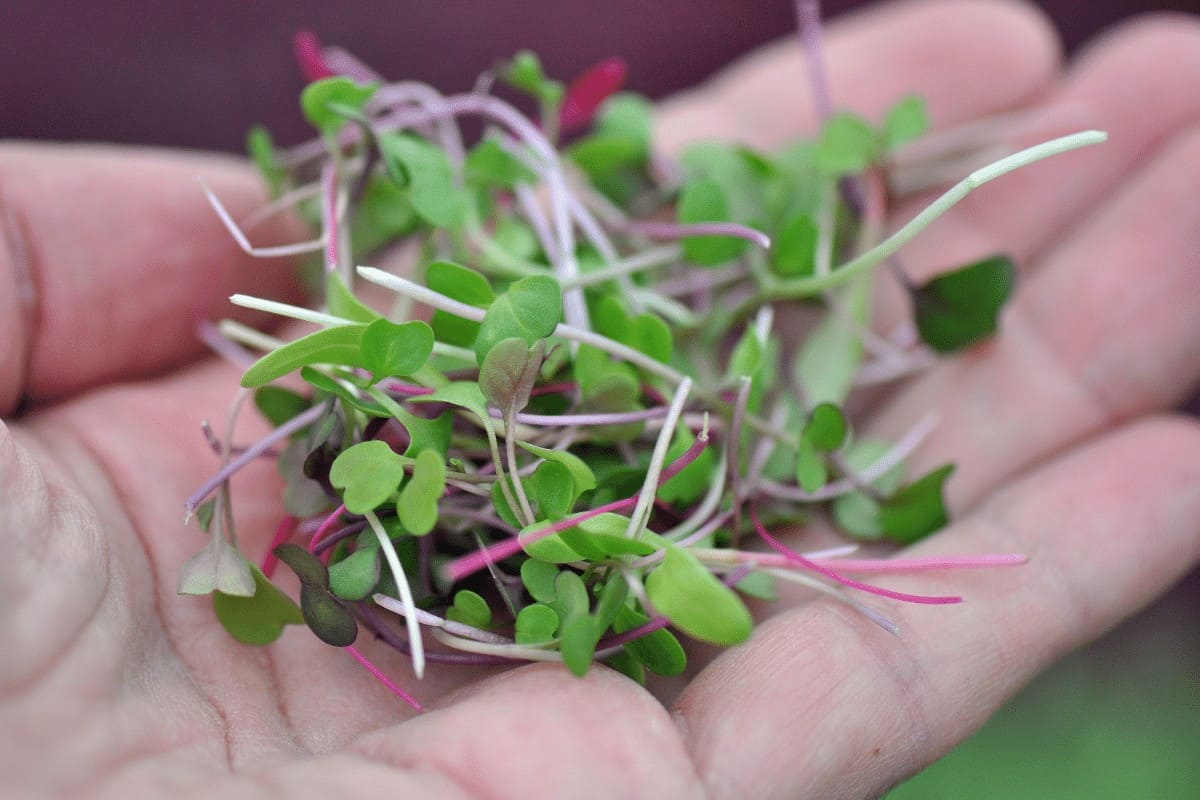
(1120, 719)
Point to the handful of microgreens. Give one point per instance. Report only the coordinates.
(571, 434)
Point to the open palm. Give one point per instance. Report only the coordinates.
(112, 685)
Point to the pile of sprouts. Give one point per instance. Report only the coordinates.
(602, 382)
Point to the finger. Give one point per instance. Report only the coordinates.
(1001, 53)
(824, 704)
(1139, 84)
(1104, 331)
(110, 256)
(539, 727)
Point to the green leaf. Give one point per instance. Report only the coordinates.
(327, 102)
(691, 597)
(204, 513)
(826, 428)
(418, 503)
(747, 355)
(279, 405)
(627, 115)
(340, 344)
(602, 153)
(423, 433)
(645, 333)
(217, 569)
(811, 473)
(260, 618)
(793, 249)
(703, 200)
(536, 624)
(524, 72)
(577, 643)
(612, 600)
(384, 215)
(960, 308)
(391, 350)
(342, 302)
(530, 310)
(509, 371)
(606, 532)
(581, 474)
(553, 548)
(261, 148)
(830, 356)
(368, 473)
(470, 609)
(355, 576)
(906, 120)
(627, 665)
(539, 577)
(857, 514)
(659, 650)
(758, 584)
(319, 380)
(463, 394)
(847, 145)
(490, 164)
(918, 509)
(431, 188)
(331, 621)
(570, 594)
(552, 489)
(459, 283)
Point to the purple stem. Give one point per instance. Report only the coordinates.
(391, 639)
(808, 17)
(223, 346)
(330, 541)
(252, 452)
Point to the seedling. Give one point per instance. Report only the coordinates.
(570, 437)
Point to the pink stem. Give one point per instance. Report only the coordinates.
(796, 558)
(384, 679)
(283, 532)
(312, 63)
(326, 526)
(587, 92)
(473, 562)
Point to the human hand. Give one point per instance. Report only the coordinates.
(113, 685)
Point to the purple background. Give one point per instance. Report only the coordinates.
(196, 74)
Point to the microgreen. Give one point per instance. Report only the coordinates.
(559, 464)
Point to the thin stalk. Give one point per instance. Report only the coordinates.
(641, 512)
(406, 596)
(805, 287)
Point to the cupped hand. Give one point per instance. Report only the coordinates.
(112, 685)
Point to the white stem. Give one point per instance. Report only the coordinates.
(406, 597)
(641, 511)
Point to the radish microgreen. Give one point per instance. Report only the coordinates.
(609, 395)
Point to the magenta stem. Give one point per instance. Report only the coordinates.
(307, 49)
(796, 558)
(283, 532)
(326, 526)
(473, 562)
(384, 679)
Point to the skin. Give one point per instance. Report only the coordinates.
(111, 685)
